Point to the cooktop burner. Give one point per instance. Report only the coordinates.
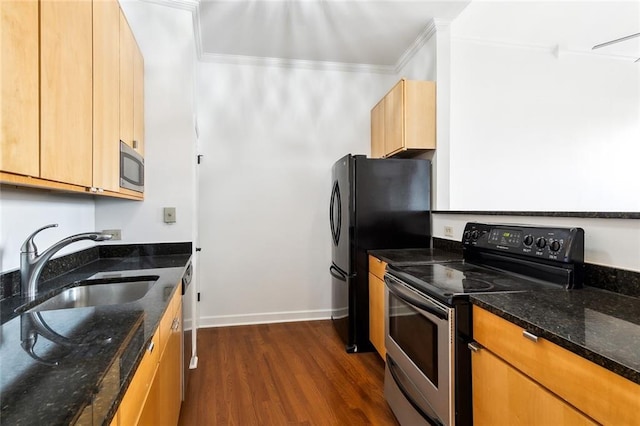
(458, 279)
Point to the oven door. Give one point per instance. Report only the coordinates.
(419, 343)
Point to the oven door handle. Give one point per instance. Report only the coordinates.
(432, 421)
(422, 302)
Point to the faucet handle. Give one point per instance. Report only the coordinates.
(29, 246)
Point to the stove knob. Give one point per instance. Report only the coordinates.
(467, 234)
(541, 243)
(555, 245)
(474, 234)
(528, 240)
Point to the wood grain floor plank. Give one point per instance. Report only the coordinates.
(283, 374)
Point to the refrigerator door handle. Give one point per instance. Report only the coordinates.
(337, 273)
(336, 223)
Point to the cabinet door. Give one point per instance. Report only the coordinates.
(376, 314)
(138, 100)
(153, 410)
(504, 396)
(66, 146)
(420, 115)
(377, 131)
(20, 146)
(170, 373)
(394, 119)
(127, 44)
(106, 99)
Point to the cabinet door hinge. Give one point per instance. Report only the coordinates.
(198, 248)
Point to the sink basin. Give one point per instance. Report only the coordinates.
(112, 293)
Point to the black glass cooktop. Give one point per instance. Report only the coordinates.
(447, 281)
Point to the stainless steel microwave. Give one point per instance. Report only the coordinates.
(131, 168)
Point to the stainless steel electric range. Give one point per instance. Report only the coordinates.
(428, 314)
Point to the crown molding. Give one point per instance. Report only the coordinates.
(557, 50)
(296, 63)
(417, 44)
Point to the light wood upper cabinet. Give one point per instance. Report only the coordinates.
(19, 119)
(377, 130)
(406, 121)
(600, 395)
(106, 95)
(138, 100)
(131, 89)
(127, 46)
(377, 269)
(66, 146)
(62, 104)
(394, 119)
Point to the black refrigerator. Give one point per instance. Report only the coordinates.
(375, 204)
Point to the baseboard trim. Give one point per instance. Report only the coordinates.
(263, 318)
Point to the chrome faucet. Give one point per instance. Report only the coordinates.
(32, 264)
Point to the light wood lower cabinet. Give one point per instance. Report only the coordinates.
(154, 396)
(504, 396)
(377, 269)
(138, 391)
(170, 378)
(558, 383)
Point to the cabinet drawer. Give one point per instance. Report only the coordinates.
(136, 395)
(377, 267)
(601, 394)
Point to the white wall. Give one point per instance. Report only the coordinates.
(23, 211)
(608, 242)
(432, 62)
(165, 37)
(269, 136)
(534, 130)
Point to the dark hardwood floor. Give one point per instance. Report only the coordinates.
(283, 374)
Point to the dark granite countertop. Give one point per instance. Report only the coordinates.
(414, 256)
(84, 358)
(599, 325)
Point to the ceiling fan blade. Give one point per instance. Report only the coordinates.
(618, 40)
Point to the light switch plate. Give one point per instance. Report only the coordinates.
(169, 215)
(448, 231)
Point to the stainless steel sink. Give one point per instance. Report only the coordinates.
(81, 296)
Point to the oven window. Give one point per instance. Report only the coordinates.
(416, 335)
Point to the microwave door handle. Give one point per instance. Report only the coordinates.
(398, 291)
(392, 369)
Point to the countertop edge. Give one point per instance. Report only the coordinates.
(598, 359)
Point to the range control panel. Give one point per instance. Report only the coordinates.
(558, 244)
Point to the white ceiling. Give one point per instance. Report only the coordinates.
(571, 24)
(364, 32)
(379, 35)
